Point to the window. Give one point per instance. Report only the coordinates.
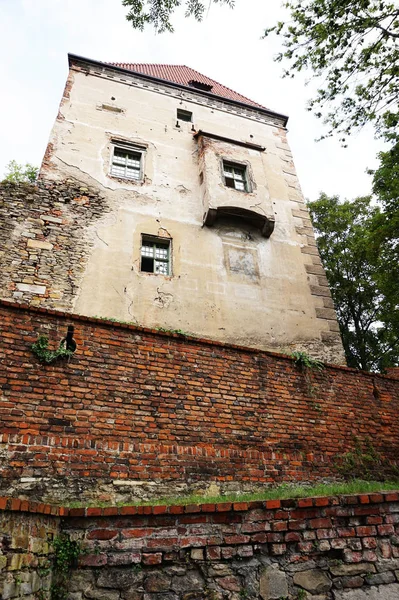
(235, 176)
(127, 163)
(155, 255)
(200, 85)
(184, 115)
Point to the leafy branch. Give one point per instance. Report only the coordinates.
(159, 12)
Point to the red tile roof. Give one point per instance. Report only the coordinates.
(183, 75)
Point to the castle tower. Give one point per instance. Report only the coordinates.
(203, 227)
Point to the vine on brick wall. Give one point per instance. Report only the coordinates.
(66, 555)
(307, 365)
(364, 462)
(40, 348)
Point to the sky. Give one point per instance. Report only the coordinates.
(36, 35)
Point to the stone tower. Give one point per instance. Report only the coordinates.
(202, 226)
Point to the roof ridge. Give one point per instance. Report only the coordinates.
(220, 89)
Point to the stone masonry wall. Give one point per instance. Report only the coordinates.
(26, 533)
(324, 548)
(45, 238)
(137, 414)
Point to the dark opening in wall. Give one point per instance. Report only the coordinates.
(184, 115)
(206, 87)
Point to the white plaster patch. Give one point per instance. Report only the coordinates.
(245, 291)
(216, 288)
(32, 289)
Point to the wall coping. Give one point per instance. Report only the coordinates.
(170, 334)
(9, 503)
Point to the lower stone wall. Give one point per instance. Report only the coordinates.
(25, 549)
(337, 548)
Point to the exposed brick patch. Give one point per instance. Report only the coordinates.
(39, 222)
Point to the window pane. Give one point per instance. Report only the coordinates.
(118, 171)
(132, 173)
(238, 175)
(161, 253)
(161, 267)
(147, 249)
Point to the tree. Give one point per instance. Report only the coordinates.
(158, 12)
(18, 173)
(353, 46)
(367, 306)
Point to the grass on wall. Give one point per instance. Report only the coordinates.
(276, 493)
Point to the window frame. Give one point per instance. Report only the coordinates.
(238, 166)
(132, 149)
(184, 113)
(154, 240)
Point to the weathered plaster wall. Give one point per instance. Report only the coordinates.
(142, 414)
(337, 548)
(275, 289)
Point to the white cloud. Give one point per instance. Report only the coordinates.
(36, 36)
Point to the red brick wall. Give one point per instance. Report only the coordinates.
(134, 404)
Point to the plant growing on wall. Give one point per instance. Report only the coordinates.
(41, 350)
(365, 462)
(66, 555)
(307, 365)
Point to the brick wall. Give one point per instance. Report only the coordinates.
(325, 548)
(139, 413)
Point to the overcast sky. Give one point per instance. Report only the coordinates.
(36, 35)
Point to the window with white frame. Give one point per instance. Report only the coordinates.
(127, 163)
(155, 255)
(235, 176)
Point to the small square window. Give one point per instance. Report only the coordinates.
(127, 163)
(155, 255)
(184, 115)
(235, 176)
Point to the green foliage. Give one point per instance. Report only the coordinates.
(66, 555)
(279, 492)
(352, 46)
(166, 330)
(385, 229)
(302, 595)
(363, 278)
(40, 348)
(304, 361)
(159, 12)
(308, 365)
(366, 463)
(17, 173)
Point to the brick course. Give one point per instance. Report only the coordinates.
(137, 410)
